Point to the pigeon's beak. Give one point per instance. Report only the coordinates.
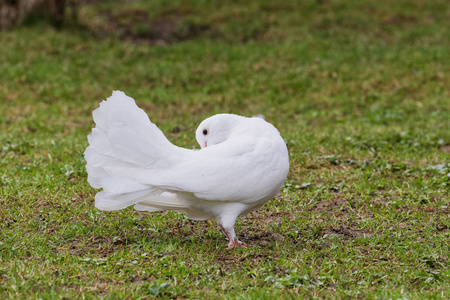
(206, 144)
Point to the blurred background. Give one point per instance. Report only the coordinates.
(360, 91)
(352, 78)
(371, 71)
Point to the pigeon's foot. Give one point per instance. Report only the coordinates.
(236, 244)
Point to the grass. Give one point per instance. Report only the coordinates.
(359, 91)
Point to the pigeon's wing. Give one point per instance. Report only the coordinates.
(242, 170)
(123, 142)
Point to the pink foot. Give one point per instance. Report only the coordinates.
(236, 244)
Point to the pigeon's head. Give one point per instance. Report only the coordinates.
(216, 129)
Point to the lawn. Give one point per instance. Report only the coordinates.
(360, 91)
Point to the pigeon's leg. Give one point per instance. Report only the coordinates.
(223, 231)
(226, 220)
(232, 238)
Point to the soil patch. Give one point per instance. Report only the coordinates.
(445, 148)
(137, 26)
(346, 233)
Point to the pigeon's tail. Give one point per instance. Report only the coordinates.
(123, 144)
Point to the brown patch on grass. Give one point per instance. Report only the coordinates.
(189, 229)
(227, 257)
(261, 237)
(347, 233)
(435, 210)
(164, 29)
(322, 206)
(442, 228)
(136, 25)
(445, 148)
(102, 246)
(400, 20)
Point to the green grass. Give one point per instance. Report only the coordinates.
(359, 89)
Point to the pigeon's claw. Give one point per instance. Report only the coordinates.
(236, 244)
(230, 245)
(233, 243)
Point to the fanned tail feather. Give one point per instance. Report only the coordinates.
(125, 142)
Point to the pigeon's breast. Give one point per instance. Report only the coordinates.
(271, 167)
(255, 172)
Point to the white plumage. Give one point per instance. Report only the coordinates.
(241, 165)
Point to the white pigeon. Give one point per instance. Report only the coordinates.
(241, 165)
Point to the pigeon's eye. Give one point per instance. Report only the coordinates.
(205, 131)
